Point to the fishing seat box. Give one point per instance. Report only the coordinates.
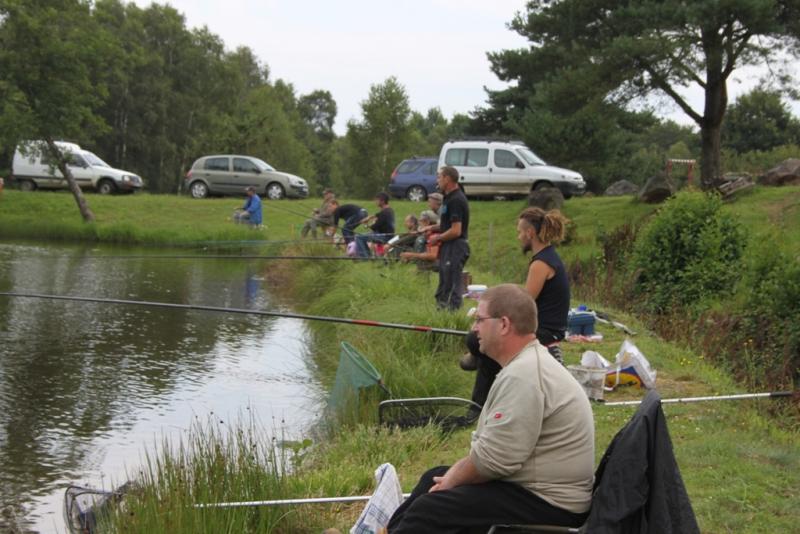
(581, 323)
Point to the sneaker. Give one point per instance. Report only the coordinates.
(468, 362)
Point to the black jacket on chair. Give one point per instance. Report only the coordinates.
(639, 488)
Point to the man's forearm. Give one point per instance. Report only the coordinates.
(461, 473)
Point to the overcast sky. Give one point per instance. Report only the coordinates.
(436, 48)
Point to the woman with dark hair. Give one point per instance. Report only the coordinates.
(538, 232)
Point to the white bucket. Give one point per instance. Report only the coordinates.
(591, 379)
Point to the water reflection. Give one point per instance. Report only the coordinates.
(84, 387)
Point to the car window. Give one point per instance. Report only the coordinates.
(76, 160)
(244, 165)
(407, 167)
(431, 168)
(528, 155)
(505, 159)
(467, 157)
(478, 157)
(216, 164)
(263, 165)
(455, 156)
(94, 161)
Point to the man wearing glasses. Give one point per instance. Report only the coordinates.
(531, 459)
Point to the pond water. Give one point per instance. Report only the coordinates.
(87, 388)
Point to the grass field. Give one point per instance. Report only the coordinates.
(740, 460)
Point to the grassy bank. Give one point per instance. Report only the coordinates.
(742, 470)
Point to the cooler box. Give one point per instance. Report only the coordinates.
(581, 323)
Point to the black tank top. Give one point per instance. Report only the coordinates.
(553, 300)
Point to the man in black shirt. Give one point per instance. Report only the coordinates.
(382, 227)
(352, 215)
(454, 252)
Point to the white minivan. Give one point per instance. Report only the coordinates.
(501, 168)
(33, 171)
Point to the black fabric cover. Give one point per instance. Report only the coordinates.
(638, 487)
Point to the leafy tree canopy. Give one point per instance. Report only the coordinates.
(587, 52)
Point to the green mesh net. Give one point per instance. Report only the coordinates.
(355, 373)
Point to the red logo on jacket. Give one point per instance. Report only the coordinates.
(498, 415)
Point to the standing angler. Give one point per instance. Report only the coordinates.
(454, 251)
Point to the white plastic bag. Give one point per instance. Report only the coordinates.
(631, 368)
(593, 359)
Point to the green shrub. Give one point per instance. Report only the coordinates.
(687, 253)
(770, 300)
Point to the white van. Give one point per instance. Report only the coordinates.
(33, 171)
(503, 168)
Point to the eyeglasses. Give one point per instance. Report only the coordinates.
(479, 319)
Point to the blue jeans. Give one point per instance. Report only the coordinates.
(351, 223)
(362, 249)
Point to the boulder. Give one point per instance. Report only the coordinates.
(621, 188)
(787, 173)
(548, 198)
(657, 189)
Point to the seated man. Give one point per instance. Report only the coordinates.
(382, 226)
(320, 216)
(250, 212)
(532, 455)
(428, 221)
(403, 242)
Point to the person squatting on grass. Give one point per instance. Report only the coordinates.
(531, 458)
(382, 226)
(250, 212)
(352, 215)
(320, 216)
(547, 282)
(454, 228)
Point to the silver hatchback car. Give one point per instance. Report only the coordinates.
(230, 174)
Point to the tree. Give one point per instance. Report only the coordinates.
(759, 120)
(48, 83)
(381, 139)
(618, 51)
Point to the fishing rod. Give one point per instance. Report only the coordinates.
(242, 257)
(324, 318)
(772, 395)
(310, 500)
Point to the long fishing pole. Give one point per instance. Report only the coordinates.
(311, 500)
(361, 322)
(240, 257)
(772, 394)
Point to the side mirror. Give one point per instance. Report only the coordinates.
(519, 165)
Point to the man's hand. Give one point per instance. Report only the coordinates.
(460, 473)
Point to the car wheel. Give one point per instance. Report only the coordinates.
(542, 185)
(275, 191)
(106, 187)
(27, 185)
(198, 190)
(416, 193)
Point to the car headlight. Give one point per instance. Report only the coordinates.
(127, 178)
